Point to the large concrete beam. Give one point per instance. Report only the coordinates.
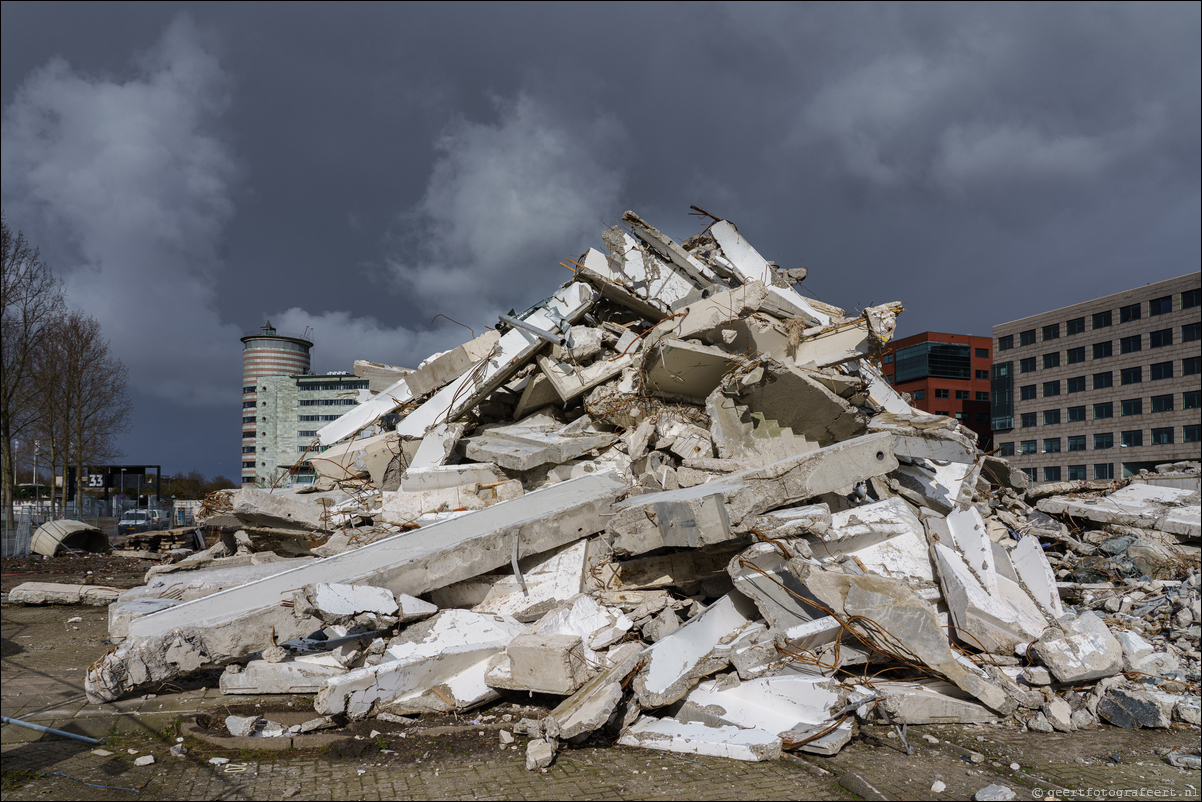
(719, 510)
(238, 621)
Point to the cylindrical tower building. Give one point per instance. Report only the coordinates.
(266, 352)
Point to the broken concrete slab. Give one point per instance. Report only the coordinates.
(338, 603)
(761, 574)
(449, 366)
(379, 376)
(882, 537)
(571, 382)
(994, 622)
(514, 350)
(590, 708)
(679, 661)
(122, 611)
(910, 623)
(355, 459)
(259, 508)
(790, 706)
(528, 444)
(715, 511)
(547, 580)
(1134, 709)
(438, 444)
(432, 653)
(54, 593)
(925, 436)
(443, 477)
(931, 702)
(401, 508)
(1079, 648)
(546, 663)
(681, 368)
(289, 676)
(747, 264)
(692, 738)
(234, 622)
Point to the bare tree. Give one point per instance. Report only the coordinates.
(88, 389)
(32, 305)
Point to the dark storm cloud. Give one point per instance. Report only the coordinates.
(359, 169)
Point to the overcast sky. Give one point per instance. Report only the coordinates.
(191, 170)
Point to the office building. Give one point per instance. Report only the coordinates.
(1103, 388)
(265, 353)
(947, 374)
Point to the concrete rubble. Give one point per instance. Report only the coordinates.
(678, 498)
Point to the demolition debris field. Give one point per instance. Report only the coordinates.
(676, 504)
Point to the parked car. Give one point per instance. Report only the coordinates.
(134, 521)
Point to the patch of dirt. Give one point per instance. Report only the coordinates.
(90, 569)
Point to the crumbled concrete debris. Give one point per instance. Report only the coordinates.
(680, 497)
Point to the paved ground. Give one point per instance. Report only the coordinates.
(44, 657)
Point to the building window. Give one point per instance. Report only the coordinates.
(248, 465)
(1191, 400)
(920, 394)
(1132, 406)
(1191, 332)
(1133, 438)
(1051, 388)
(889, 378)
(307, 433)
(1076, 414)
(982, 395)
(1005, 343)
(1128, 313)
(1076, 355)
(1076, 442)
(1160, 306)
(1162, 437)
(1051, 445)
(1051, 417)
(248, 449)
(1101, 320)
(248, 404)
(1006, 449)
(1051, 361)
(962, 395)
(1162, 403)
(1132, 375)
(1191, 298)
(1161, 370)
(938, 360)
(887, 359)
(1103, 470)
(1191, 433)
(942, 393)
(1075, 326)
(1129, 345)
(960, 416)
(1027, 365)
(1027, 392)
(248, 418)
(1029, 419)
(1191, 366)
(1051, 474)
(248, 435)
(1103, 410)
(1161, 338)
(1076, 473)
(982, 417)
(1026, 337)
(1026, 447)
(1051, 332)
(1103, 350)
(1103, 380)
(246, 390)
(1103, 441)
(982, 353)
(1076, 384)
(982, 374)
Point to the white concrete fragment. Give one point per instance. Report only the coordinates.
(547, 663)
(748, 265)
(442, 477)
(54, 593)
(692, 738)
(336, 601)
(790, 706)
(680, 660)
(290, 676)
(437, 445)
(548, 580)
(1079, 648)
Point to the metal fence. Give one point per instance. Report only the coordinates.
(15, 541)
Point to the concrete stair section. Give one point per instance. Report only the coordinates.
(740, 433)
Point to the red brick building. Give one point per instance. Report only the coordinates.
(947, 374)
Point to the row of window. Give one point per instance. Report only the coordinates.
(316, 418)
(1101, 411)
(981, 353)
(1102, 441)
(249, 389)
(307, 433)
(328, 402)
(1052, 473)
(248, 418)
(1101, 320)
(961, 395)
(325, 386)
(981, 417)
(1157, 371)
(1102, 350)
(311, 449)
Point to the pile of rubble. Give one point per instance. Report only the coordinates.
(679, 498)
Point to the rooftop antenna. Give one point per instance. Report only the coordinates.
(308, 329)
